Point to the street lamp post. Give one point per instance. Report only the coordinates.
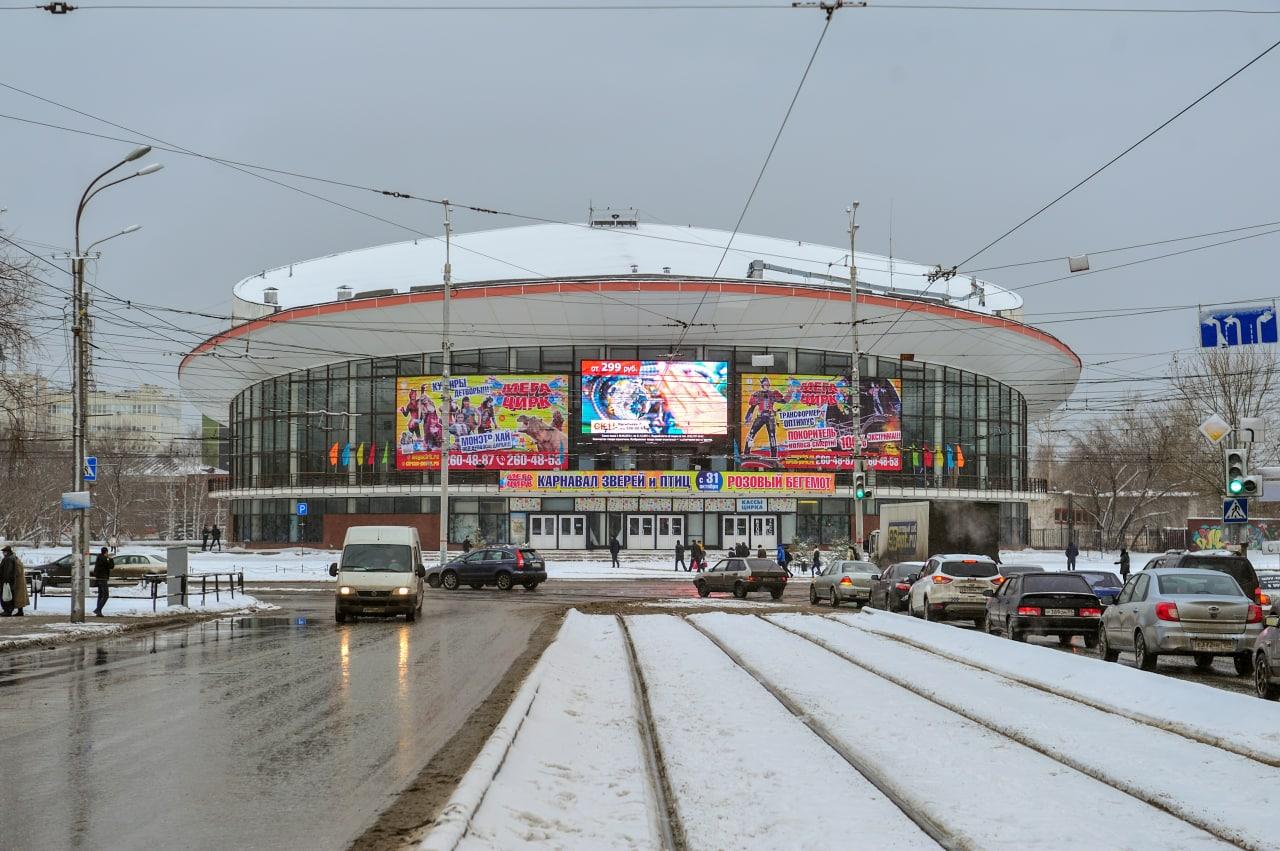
(79, 366)
(855, 390)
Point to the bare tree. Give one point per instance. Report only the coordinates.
(17, 344)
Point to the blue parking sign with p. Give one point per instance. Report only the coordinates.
(302, 509)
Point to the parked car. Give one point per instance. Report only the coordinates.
(130, 566)
(1104, 583)
(1266, 658)
(950, 588)
(741, 576)
(844, 582)
(504, 567)
(1182, 612)
(1234, 565)
(1007, 570)
(1060, 604)
(890, 589)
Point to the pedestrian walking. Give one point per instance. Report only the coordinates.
(1072, 552)
(114, 543)
(697, 556)
(760, 553)
(204, 538)
(466, 544)
(1124, 564)
(13, 584)
(680, 556)
(614, 549)
(742, 550)
(816, 564)
(102, 566)
(215, 538)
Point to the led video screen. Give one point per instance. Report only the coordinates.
(654, 401)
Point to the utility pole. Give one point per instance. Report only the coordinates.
(855, 390)
(79, 426)
(446, 393)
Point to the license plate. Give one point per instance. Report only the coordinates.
(373, 610)
(1208, 645)
(1060, 613)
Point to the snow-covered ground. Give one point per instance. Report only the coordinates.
(800, 730)
(128, 601)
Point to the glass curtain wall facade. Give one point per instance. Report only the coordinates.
(284, 430)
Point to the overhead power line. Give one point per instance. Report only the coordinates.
(64, 8)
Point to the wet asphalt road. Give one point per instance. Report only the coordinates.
(280, 731)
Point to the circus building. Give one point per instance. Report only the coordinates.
(620, 378)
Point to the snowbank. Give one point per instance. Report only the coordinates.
(1233, 721)
(140, 607)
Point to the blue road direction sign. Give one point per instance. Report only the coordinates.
(1246, 325)
(1235, 510)
(91, 468)
(302, 509)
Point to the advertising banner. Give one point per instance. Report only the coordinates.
(670, 482)
(655, 401)
(805, 422)
(514, 422)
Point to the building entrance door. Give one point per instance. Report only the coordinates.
(542, 532)
(735, 529)
(640, 532)
(573, 532)
(764, 533)
(670, 529)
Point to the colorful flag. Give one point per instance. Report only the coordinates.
(346, 455)
(333, 455)
(360, 455)
(373, 453)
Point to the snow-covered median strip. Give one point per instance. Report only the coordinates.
(934, 757)
(140, 607)
(1235, 722)
(1223, 794)
(565, 767)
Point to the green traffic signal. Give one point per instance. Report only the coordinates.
(1235, 485)
(860, 493)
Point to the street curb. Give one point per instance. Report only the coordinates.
(59, 639)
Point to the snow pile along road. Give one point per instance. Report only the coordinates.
(1233, 721)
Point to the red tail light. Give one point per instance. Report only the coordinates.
(1255, 614)
(1167, 611)
(846, 581)
(1263, 599)
(902, 586)
(1034, 611)
(1091, 613)
(996, 580)
(519, 560)
(941, 580)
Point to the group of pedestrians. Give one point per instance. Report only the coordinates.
(210, 538)
(697, 556)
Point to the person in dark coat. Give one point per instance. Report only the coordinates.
(680, 556)
(760, 553)
(697, 556)
(204, 539)
(102, 566)
(13, 584)
(614, 549)
(215, 538)
(466, 544)
(1124, 564)
(1072, 552)
(816, 564)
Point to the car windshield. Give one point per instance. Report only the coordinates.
(761, 564)
(970, 568)
(382, 558)
(1102, 579)
(1218, 584)
(1038, 582)
(858, 567)
(901, 570)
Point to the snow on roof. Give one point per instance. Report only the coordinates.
(566, 250)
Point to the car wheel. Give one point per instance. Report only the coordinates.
(1090, 641)
(835, 599)
(449, 579)
(434, 580)
(1262, 679)
(1104, 648)
(530, 586)
(1204, 661)
(924, 610)
(411, 615)
(1015, 634)
(813, 596)
(1064, 640)
(1244, 664)
(504, 581)
(775, 593)
(739, 590)
(1146, 659)
(703, 591)
(980, 624)
(340, 617)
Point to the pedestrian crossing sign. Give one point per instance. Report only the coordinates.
(1235, 510)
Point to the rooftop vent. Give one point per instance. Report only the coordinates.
(345, 293)
(375, 293)
(634, 268)
(611, 218)
(666, 270)
(756, 269)
(271, 295)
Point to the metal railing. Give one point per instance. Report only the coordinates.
(234, 581)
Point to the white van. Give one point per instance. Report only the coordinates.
(380, 573)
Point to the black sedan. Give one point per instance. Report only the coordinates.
(504, 567)
(1060, 604)
(889, 591)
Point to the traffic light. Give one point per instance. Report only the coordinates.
(1238, 480)
(860, 486)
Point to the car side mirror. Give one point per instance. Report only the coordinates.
(333, 569)
(1272, 620)
(422, 572)
(990, 592)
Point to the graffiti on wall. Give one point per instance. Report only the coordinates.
(1211, 534)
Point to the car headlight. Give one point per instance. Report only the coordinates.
(345, 589)
(403, 592)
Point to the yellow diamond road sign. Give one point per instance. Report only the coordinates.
(1215, 428)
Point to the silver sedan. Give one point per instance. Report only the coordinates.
(1179, 611)
(844, 582)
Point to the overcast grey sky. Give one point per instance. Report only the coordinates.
(964, 121)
